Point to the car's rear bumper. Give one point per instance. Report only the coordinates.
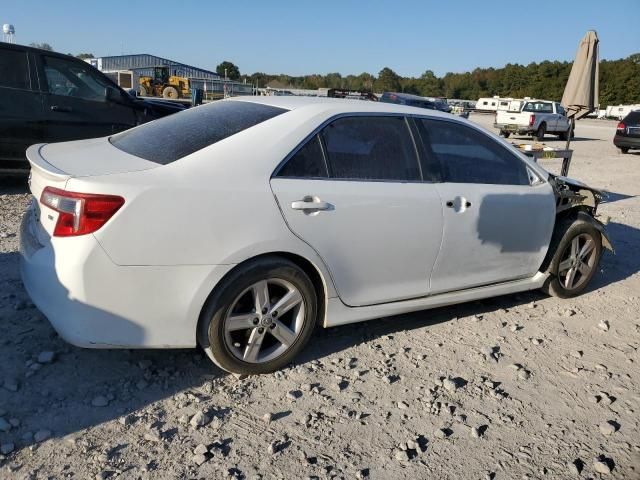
(519, 129)
(626, 142)
(92, 302)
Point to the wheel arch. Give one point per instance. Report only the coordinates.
(312, 271)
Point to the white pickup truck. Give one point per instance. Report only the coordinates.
(536, 118)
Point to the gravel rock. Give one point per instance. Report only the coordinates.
(199, 459)
(46, 357)
(577, 353)
(201, 449)
(603, 325)
(401, 455)
(42, 435)
(524, 374)
(200, 419)
(403, 405)
(100, 401)
(608, 428)
(601, 466)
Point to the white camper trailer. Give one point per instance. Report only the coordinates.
(487, 104)
(620, 111)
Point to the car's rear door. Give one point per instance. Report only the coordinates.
(498, 215)
(354, 192)
(21, 114)
(76, 103)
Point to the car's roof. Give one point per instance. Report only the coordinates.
(332, 106)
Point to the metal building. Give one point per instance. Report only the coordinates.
(143, 64)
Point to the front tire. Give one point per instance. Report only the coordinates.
(505, 134)
(577, 248)
(170, 92)
(260, 317)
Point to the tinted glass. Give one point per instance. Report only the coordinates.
(178, 135)
(560, 109)
(469, 156)
(74, 79)
(371, 148)
(308, 162)
(538, 107)
(14, 69)
(632, 119)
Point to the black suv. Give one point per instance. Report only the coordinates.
(51, 97)
(628, 132)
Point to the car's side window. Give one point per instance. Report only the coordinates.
(560, 109)
(72, 79)
(307, 162)
(469, 156)
(14, 69)
(371, 148)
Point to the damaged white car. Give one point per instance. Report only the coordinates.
(241, 225)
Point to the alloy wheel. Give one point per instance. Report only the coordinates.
(264, 321)
(578, 261)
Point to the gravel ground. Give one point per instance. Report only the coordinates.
(521, 386)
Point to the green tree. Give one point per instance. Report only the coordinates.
(42, 46)
(232, 71)
(388, 81)
(83, 56)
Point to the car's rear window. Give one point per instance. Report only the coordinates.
(176, 136)
(633, 117)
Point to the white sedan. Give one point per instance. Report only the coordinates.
(242, 224)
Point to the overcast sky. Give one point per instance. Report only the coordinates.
(304, 37)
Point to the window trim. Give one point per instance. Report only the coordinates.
(318, 130)
(29, 70)
(429, 152)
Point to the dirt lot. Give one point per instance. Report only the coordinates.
(522, 386)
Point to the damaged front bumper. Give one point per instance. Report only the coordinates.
(574, 195)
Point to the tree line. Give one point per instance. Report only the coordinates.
(619, 81)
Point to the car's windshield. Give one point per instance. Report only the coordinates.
(171, 138)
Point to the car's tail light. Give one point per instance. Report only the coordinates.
(532, 120)
(621, 126)
(80, 213)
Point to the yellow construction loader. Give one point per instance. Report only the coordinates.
(163, 84)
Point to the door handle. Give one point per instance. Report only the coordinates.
(459, 204)
(58, 108)
(311, 204)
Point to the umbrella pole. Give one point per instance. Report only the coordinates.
(572, 125)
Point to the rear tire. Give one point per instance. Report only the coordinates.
(577, 248)
(505, 134)
(243, 339)
(539, 135)
(170, 92)
(624, 150)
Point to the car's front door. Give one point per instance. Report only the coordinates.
(498, 215)
(20, 108)
(80, 103)
(354, 192)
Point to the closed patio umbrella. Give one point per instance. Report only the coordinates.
(581, 92)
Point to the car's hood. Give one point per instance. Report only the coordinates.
(571, 192)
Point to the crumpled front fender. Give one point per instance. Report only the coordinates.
(606, 241)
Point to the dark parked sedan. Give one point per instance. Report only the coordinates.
(51, 97)
(628, 132)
